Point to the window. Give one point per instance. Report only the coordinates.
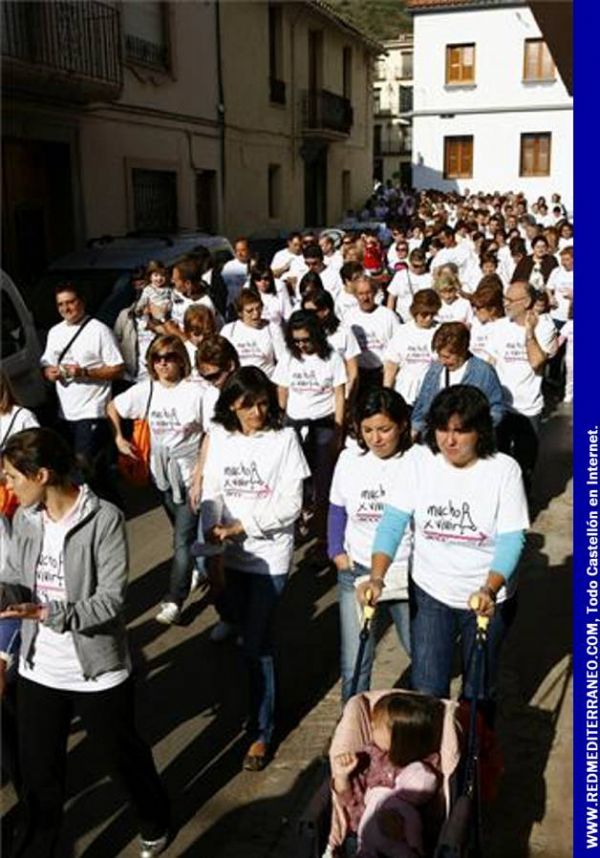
(460, 64)
(146, 37)
(535, 154)
(406, 99)
(274, 190)
(377, 100)
(276, 84)
(458, 157)
(346, 190)
(347, 73)
(154, 200)
(538, 63)
(206, 200)
(377, 139)
(405, 68)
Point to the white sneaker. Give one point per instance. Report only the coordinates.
(198, 578)
(221, 632)
(168, 615)
(150, 848)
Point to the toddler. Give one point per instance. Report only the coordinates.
(155, 300)
(454, 308)
(381, 787)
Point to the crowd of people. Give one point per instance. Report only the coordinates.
(379, 400)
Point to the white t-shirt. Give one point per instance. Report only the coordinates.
(277, 308)
(403, 286)
(344, 342)
(245, 478)
(458, 311)
(282, 257)
(82, 398)
(261, 347)
(311, 383)
(373, 331)
(145, 336)
(410, 348)
(560, 285)
(174, 416)
(458, 513)
(234, 275)
(55, 662)
(360, 485)
(345, 302)
(480, 334)
(181, 303)
(17, 419)
(522, 386)
(460, 255)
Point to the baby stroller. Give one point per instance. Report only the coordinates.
(452, 820)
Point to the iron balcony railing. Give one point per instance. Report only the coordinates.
(78, 40)
(326, 111)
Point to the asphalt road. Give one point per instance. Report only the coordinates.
(191, 697)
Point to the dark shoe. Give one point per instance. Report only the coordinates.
(256, 758)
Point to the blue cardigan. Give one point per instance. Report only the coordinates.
(478, 373)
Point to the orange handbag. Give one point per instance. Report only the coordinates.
(137, 471)
(8, 501)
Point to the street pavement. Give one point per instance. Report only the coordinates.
(191, 705)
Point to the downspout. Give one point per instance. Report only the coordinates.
(220, 107)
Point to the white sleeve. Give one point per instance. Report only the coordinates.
(551, 284)
(336, 494)
(408, 474)
(278, 342)
(545, 334)
(51, 352)
(281, 374)
(512, 502)
(110, 353)
(132, 403)
(340, 376)
(394, 286)
(393, 351)
(211, 507)
(352, 349)
(394, 324)
(285, 504)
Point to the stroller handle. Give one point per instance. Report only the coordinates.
(368, 607)
(482, 622)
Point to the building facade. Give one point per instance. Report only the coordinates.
(393, 105)
(491, 111)
(297, 83)
(106, 128)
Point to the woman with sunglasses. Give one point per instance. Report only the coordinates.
(173, 409)
(276, 304)
(311, 380)
(257, 341)
(252, 496)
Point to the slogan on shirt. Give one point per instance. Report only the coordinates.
(306, 381)
(452, 522)
(370, 507)
(514, 352)
(49, 578)
(245, 481)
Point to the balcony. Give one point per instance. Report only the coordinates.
(326, 115)
(276, 91)
(67, 49)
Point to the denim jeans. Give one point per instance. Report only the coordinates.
(94, 450)
(351, 624)
(318, 447)
(434, 628)
(185, 526)
(251, 601)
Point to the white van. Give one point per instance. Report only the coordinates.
(20, 346)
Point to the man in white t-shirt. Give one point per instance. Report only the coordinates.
(235, 272)
(82, 358)
(373, 326)
(282, 260)
(313, 261)
(519, 346)
(560, 287)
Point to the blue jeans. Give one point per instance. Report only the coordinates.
(319, 448)
(350, 626)
(251, 601)
(185, 526)
(434, 628)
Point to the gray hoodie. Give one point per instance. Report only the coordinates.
(96, 568)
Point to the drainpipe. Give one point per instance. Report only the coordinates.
(220, 106)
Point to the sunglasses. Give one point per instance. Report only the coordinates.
(301, 340)
(212, 376)
(168, 357)
(198, 332)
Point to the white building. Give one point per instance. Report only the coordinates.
(393, 104)
(491, 111)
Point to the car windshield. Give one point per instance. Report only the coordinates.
(105, 292)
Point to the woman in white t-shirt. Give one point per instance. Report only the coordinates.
(252, 496)
(469, 511)
(276, 304)
(173, 408)
(69, 550)
(13, 418)
(406, 283)
(359, 492)
(339, 336)
(198, 323)
(488, 306)
(311, 379)
(258, 342)
(409, 353)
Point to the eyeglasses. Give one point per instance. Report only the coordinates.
(262, 277)
(514, 300)
(168, 357)
(301, 340)
(212, 376)
(198, 332)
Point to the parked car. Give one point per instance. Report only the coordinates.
(20, 346)
(103, 271)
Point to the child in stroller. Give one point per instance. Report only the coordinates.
(391, 755)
